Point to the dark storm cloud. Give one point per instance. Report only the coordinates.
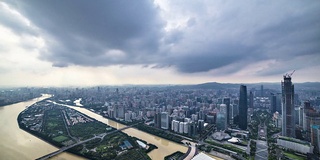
(104, 33)
(173, 37)
(14, 21)
(82, 32)
(272, 34)
(216, 56)
(299, 34)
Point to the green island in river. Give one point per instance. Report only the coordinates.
(62, 126)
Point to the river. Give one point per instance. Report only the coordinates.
(18, 144)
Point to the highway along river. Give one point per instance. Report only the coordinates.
(18, 144)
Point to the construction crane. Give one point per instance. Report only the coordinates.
(288, 75)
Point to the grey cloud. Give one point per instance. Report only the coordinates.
(87, 30)
(262, 32)
(216, 56)
(59, 64)
(300, 34)
(14, 22)
(83, 33)
(173, 37)
(191, 22)
(290, 64)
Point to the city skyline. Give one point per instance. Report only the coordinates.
(61, 43)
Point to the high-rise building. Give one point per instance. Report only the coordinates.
(200, 125)
(201, 115)
(221, 121)
(273, 106)
(116, 111)
(296, 115)
(278, 101)
(226, 101)
(121, 111)
(243, 108)
(164, 120)
(222, 118)
(210, 119)
(157, 120)
(250, 99)
(175, 125)
(192, 129)
(288, 112)
(127, 117)
(261, 91)
(185, 127)
(301, 113)
(133, 115)
(315, 137)
(194, 117)
(181, 127)
(235, 110)
(312, 118)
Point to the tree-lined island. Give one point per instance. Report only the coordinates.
(63, 126)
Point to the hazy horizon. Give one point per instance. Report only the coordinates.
(125, 85)
(62, 43)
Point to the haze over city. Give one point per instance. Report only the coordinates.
(63, 43)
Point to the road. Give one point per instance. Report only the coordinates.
(262, 150)
(66, 126)
(262, 145)
(101, 136)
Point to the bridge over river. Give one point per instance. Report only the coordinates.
(101, 136)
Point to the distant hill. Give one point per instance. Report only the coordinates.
(215, 85)
(308, 85)
(277, 86)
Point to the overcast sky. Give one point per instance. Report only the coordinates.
(64, 42)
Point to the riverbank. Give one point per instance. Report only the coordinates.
(151, 130)
(2, 104)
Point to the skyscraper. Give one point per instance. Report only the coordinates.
(226, 101)
(288, 115)
(273, 106)
(157, 120)
(121, 111)
(164, 120)
(243, 108)
(200, 125)
(222, 118)
(315, 137)
(250, 99)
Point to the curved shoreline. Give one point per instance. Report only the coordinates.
(19, 101)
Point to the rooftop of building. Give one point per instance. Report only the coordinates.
(220, 136)
(202, 156)
(294, 140)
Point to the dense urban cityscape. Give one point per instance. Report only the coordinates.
(227, 121)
